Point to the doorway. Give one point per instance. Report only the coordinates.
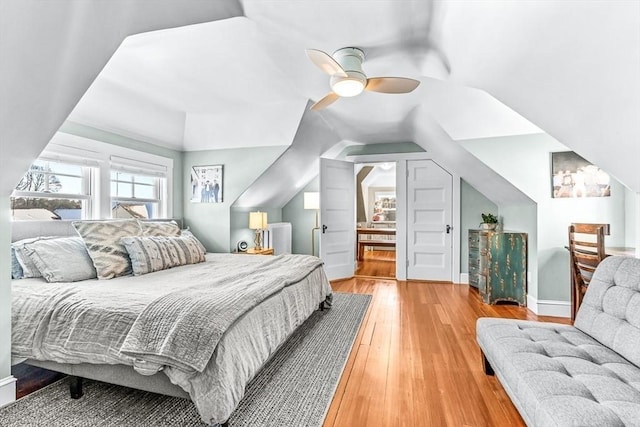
(376, 219)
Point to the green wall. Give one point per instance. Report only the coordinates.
(123, 141)
(211, 222)
(472, 205)
(239, 223)
(525, 161)
(302, 221)
(382, 148)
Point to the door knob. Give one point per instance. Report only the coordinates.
(449, 228)
(324, 228)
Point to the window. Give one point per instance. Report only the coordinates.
(80, 178)
(135, 195)
(53, 190)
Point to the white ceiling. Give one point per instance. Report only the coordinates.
(245, 81)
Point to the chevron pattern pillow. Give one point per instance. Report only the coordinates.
(154, 253)
(159, 228)
(102, 238)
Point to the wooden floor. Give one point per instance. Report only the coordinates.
(31, 378)
(377, 263)
(415, 361)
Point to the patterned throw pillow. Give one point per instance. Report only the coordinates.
(154, 253)
(102, 239)
(188, 232)
(159, 228)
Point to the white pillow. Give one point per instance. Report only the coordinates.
(29, 269)
(61, 260)
(16, 268)
(154, 253)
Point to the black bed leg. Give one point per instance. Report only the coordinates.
(75, 387)
(488, 369)
(321, 307)
(225, 424)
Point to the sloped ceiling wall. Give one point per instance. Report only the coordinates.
(295, 168)
(570, 67)
(51, 53)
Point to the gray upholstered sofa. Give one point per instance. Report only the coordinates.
(582, 375)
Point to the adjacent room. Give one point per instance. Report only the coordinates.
(312, 213)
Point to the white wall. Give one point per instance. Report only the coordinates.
(632, 220)
(5, 290)
(525, 161)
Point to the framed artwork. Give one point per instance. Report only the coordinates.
(573, 176)
(206, 184)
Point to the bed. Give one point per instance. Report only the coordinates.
(136, 331)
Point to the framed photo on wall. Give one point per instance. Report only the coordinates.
(206, 184)
(573, 176)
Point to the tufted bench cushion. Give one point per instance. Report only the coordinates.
(562, 375)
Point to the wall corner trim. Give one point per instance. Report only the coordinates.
(7, 390)
(549, 307)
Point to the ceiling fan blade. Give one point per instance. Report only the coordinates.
(325, 62)
(329, 99)
(391, 84)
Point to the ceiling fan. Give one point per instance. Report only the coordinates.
(348, 79)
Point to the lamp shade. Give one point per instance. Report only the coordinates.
(257, 220)
(312, 200)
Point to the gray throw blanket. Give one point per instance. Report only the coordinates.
(181, 329)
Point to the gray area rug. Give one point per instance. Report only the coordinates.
(294, 388)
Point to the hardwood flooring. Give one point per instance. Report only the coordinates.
(31, 378)
(377, 264)
(415, 361)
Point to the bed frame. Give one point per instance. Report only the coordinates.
(114, 374)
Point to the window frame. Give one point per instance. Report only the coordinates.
(98, 159)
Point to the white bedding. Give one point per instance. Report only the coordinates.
(88, 322)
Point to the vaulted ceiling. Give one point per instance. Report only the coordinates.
(245, 81)
(195, 75)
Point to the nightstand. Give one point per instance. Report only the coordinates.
(263, 251)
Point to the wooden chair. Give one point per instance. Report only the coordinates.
(586, 249)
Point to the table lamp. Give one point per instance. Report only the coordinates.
(258, 222)
(312, 201)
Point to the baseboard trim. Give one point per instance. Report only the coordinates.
(464, 278)
(549, 307)
(7, 390)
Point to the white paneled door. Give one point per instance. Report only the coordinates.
(337, 218)
(429, 221)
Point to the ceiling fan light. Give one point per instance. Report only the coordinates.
(348, 86)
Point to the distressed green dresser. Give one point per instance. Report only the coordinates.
(498, 265)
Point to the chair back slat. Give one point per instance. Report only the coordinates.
(586, 249)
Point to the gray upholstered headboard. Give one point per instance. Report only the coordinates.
(26, 229)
